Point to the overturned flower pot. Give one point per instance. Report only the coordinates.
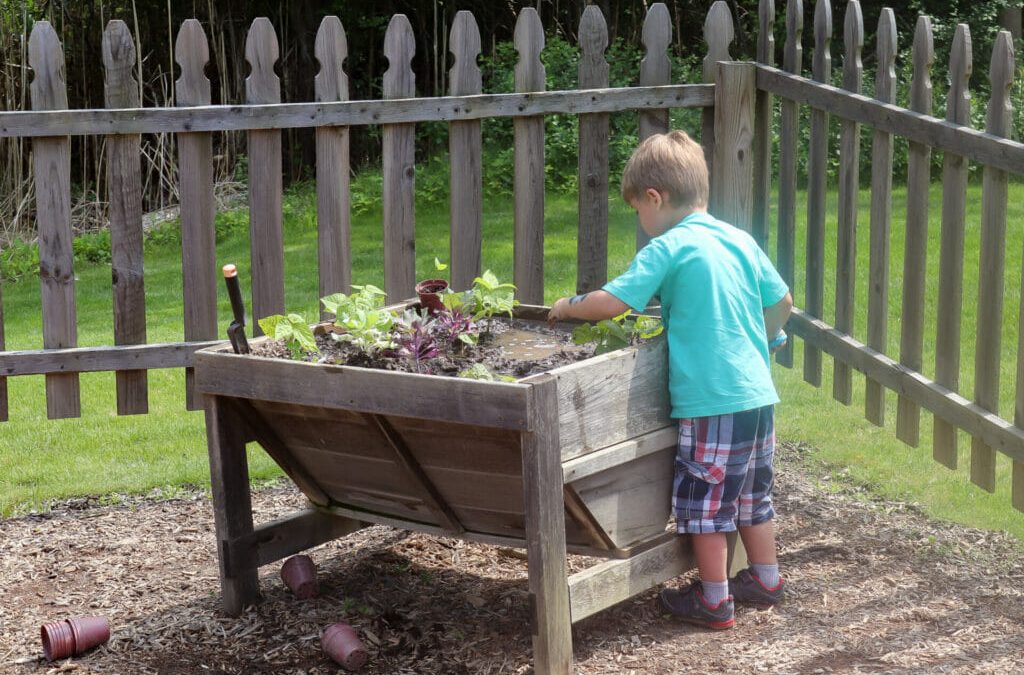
(341, 642)
(70, 637)
(299, 575)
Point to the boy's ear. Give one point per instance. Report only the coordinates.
(655, 197)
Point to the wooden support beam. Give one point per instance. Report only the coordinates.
(291, 534)
(577, 508)
(94, 359)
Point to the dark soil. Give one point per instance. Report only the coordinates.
(511, 347)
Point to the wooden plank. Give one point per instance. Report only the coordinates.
(232, 505)
(732, 187)
(545, 533)
(915, 249)
(849, 189)
(655, 69)
(988, 346)
(620, 453)
(493, 404)
(291, 534)
(592, 240)
(764, 113)
(718, 34)
(51, 160)
(1017, 485)
(881, 212)
(577, 510)
(528, 188)
(465, 142)
(195, 184)
(788, 144)
(333, 200)
(817, 173)
(306, 115)
(949, 308)
(951, 406)
(429, 492)
(399, 165)
(4, 411)
(124, 188)
(94, 359)
(266, 237)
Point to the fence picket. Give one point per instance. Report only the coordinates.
(763, 113)
(399, 166)
(529, 164)
(465, 143)
(52, 164)
(817, 170)
(266, 238)
(592, 242)
(655, 69)
(993, 261)
(4, 413)
(333, 199)
(718, 34)
(951, 257)
(849, 184)
(788, 135)
(195, 171)
(881, 213)
(124, 186)
(1017, 484)
(734, 124)
(915, 251)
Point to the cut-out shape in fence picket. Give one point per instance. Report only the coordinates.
(993, 261)
(51, 157)
(529, 164)
(915, 250)
(124, 187)
(333, 198)
(881, 213)
(763, 114)
(949, 308)
(655, 70)
(592, 240)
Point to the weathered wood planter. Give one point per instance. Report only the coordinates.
(579, 458)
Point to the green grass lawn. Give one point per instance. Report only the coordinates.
(102, 453)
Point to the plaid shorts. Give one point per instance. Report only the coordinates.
(723, 475)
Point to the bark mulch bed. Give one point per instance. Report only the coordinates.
(875, 587)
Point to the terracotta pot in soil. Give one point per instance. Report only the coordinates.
(342, 644)
(299, 575)
(430, 291)
(69, 637)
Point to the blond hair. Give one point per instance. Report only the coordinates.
(672, 164)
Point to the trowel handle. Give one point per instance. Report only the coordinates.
(234, 293)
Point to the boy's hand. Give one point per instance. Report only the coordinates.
(559, 311)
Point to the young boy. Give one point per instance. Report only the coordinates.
(721, 303)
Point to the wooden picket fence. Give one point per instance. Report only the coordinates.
(739, 111)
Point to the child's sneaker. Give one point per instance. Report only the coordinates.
(746, 587)
(690, 606)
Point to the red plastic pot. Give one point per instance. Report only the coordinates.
(299, 575)
(69, 637)
(342, 643)
(430, 291)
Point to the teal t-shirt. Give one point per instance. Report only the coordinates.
(714, 283)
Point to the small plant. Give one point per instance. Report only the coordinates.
(617, 332)
(455, 328)
(415, 339)
(479, 371)
(293, 330)
(490, 296)
(362, 317)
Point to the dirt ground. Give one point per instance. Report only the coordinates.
(874, 587)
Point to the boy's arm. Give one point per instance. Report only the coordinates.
(592, 306)
(775, 317)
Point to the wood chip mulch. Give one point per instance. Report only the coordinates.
(875, 586)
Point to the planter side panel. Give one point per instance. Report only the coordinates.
(613, 397)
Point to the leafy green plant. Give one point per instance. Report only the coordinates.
(362, 317)
(479, 371)
(293, 330)
(489, 296)
(617, 332)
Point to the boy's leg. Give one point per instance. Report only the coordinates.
(711, 553)
(759, 541)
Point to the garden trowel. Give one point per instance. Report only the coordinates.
(236, 331)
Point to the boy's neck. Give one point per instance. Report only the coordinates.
(676, 215)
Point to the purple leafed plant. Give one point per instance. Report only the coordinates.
(417, 344)
(455, 328)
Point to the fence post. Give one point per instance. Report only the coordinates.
(124, 185)
(592, 242)
(52, 163)
(333, 216)
(655, 69)
(195, 171)
(951, 256)
(763, 113)
(529, 164)
(732, 186)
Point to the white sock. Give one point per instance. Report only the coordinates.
(768, 574)
(714, 591)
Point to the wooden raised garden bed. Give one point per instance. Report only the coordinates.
(577, 459)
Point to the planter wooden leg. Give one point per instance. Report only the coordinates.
(545, 535)
(232, 504)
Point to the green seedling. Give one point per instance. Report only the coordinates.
(617, 332)
(479, 371)
(489, 297)
(293, 330)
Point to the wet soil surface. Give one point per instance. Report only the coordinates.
(510, 347)
(874, 587)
